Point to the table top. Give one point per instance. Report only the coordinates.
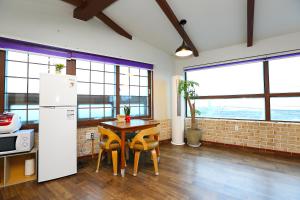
(133, 124)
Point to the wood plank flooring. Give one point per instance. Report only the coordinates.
(185, 173)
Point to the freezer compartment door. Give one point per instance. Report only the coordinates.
(58, 90)
(57, 143)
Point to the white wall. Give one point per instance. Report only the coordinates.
(270, 45)
(50, 22)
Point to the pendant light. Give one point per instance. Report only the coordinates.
(184, 50)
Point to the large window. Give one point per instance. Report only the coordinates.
(22, 73)
(96, 90)
(230, 92)
(285, 88)
(265, 90)
(104, 90)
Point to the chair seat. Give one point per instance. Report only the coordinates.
(112, 146)
(150, 142)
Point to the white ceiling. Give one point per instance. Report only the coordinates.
(211, 23)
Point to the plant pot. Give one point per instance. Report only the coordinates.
(127, 118)
(57, 72)
(193, 137)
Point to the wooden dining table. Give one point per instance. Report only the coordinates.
(123, 128)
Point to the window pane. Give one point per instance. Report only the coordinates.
(110, 112)
(33, 58)
(134, 111)
(97, 89)
(134, 71)
(83, 101)
(16, 85)
(285, 109)
(17, 56)
(83, 88)
(35, 70)
(33, 86)
(83, 113)
(134, 101)
(240, 108)
(83, 75)
(109, 68)
(15, 101)
(110, 78)
(134, 91)
(124, 90)
(110, 89)
(143, 81)
(17, 69)
(134, 80)
(143, 111)
(124, 79)
(33, 116)
(82, 64)
(124, 70)
(284, 75)
(124, 100)
(97, 113)
(143, 72)
(96, 101)
(144, 91)
(229, 80)
(97, 77)
(143, 101)
(33, 101)
(97, 66)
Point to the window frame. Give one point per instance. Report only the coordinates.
(71, 70)
(267, 95)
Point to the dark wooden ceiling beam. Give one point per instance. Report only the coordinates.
(250, 22)
(105, 19)
(90, 8)
(173, 19)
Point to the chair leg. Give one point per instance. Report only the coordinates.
(136, 162)
(115, 161)
(155, 163)
(99, 159)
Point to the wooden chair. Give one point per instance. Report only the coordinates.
(109, 142)
(146, 140)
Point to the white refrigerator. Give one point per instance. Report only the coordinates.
(57, 154)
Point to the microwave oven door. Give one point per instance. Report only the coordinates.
(8, 144)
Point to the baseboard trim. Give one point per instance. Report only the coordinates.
(253, 149)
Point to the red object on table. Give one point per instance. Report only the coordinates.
(127, 118)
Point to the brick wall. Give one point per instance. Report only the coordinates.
(84, 147)
(278, 136)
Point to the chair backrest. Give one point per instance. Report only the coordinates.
(150, 132)
(112, 136)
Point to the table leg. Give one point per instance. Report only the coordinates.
(123, 153)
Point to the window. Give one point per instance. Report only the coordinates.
(98, 93)
(134, 90)
(22, 72)
(230, 92)
(284, 89)
(266, 90)
(96, 90)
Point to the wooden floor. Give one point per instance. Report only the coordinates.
(185, 173)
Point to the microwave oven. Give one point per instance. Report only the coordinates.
(16, 142)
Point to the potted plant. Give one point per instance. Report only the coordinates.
(127, 113)
(187, 89)
(58, 68)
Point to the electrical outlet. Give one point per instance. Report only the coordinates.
(236, 127)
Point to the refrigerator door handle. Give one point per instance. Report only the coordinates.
(49, 107)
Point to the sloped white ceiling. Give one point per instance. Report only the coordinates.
(211, 23)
